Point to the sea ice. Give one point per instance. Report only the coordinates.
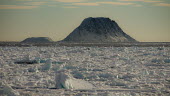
(65, 80)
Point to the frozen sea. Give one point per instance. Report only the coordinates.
(114, 71)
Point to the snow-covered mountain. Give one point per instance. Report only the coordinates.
(98, 30)
(37, 40)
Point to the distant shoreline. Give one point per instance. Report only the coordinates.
(69, 44)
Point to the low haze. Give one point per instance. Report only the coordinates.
(144, 20)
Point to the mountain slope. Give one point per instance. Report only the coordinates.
(37, 40)
(99, 30)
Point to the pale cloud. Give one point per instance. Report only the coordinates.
(35, 3)
(152, 1)
(24, 0)
(149, 1)
(100, 3)
(69, 1)
(137, 5)
(16, 7)
(74, 3)
(116, 3)
(69, 7)
(163, 4)
(86, 4)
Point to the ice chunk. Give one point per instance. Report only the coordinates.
(7, 90)
(167, 60)
(34, 69)
(65, 80)
(26, 60)
(47, 65)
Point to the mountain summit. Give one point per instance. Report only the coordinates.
(37, 40)
(98, 30)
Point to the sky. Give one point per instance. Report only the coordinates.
(144, 20)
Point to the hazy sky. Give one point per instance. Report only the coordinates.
(144, 20)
